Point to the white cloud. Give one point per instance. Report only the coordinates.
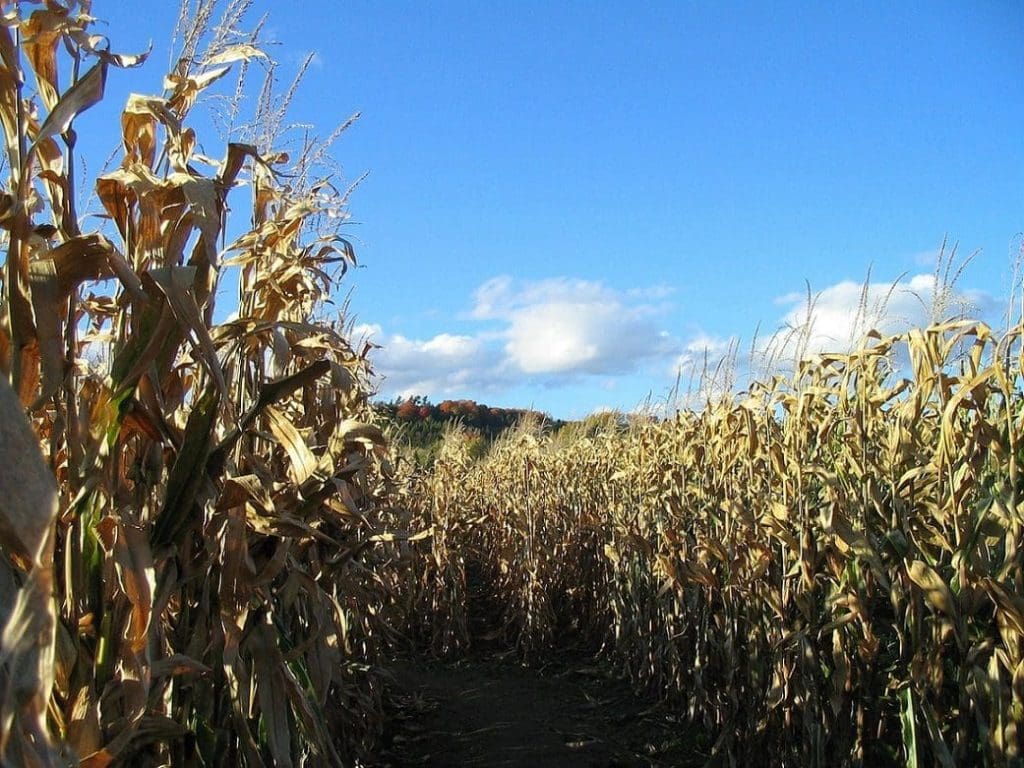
(705, 370)
(703, 349)
(564, 331)
(492, 297)
(443, 365)
(367, 332)
(835, 319)
(563, 326)
(547, 332)
(450, 347)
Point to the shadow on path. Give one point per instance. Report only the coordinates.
(495, 712)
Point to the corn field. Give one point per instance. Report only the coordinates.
(207, 552)
(824, 570)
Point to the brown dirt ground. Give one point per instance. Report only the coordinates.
(492, 711)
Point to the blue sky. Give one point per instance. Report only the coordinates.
(567, 202)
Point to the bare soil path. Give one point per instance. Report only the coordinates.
(492, 711)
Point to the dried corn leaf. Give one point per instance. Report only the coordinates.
(28, 508)
(936, 591)
(87, 92)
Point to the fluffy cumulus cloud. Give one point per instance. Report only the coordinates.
(836, 318)
(567, 332)
(547, 332)
(561, 326)
(445, 364)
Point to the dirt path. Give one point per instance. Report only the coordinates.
(494, 712)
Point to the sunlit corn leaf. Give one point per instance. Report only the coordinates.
(936, 591)
(85, 93)
(302, 459)
(28, 508)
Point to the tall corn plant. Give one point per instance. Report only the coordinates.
(188, 568)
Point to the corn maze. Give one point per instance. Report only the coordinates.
(209, 549)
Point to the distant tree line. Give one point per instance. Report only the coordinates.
(422, 423)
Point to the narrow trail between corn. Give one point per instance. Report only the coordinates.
(492, 711)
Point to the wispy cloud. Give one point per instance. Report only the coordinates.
(700, 351)
(706, 369)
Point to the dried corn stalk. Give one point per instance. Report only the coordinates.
(206, 512)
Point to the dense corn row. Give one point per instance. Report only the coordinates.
(825, 570)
